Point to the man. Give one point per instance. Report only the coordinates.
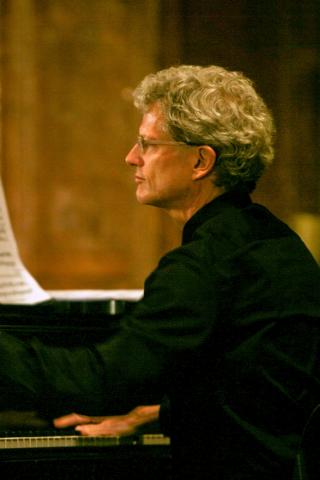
(228, 327)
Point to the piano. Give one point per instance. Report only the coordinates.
(87, 319)
(63, 454)
(32, 455)
(13, 440)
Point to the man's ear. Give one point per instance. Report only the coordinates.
(204, 163)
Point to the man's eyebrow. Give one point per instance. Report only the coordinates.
(147, 138)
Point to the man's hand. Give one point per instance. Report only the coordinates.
(118, 425)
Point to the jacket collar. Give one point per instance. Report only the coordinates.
(226, 200)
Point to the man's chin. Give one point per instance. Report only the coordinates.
(144, 200)
(142, 197)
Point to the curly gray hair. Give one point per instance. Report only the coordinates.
(216, 107)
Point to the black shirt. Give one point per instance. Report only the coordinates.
(228, 328)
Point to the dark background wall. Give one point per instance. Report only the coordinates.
(277, 44)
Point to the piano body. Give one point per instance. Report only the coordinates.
(52, 455)
(29, 454)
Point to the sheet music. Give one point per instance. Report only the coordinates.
(17, 286)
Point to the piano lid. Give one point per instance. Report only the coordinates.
(68, 307)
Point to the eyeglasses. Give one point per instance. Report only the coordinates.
(143, 143)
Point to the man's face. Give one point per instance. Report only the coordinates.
(163, 172)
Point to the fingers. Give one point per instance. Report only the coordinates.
(110, 426)
(115, 425)
(71, 420)
(85, 425)
(96, 429)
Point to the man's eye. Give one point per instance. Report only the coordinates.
(146, 146)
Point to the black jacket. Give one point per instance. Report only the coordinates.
(228, 328)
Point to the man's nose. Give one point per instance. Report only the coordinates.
(134, 157)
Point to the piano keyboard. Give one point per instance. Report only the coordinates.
(13, 441)
(49, 455)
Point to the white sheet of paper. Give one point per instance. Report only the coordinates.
(17, 286)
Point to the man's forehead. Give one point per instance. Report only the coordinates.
(152, 120)
(155, 109)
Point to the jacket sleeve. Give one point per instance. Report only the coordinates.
(131, 368)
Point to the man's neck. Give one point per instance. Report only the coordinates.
(182, 215)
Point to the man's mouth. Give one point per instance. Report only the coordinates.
(138, 179)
